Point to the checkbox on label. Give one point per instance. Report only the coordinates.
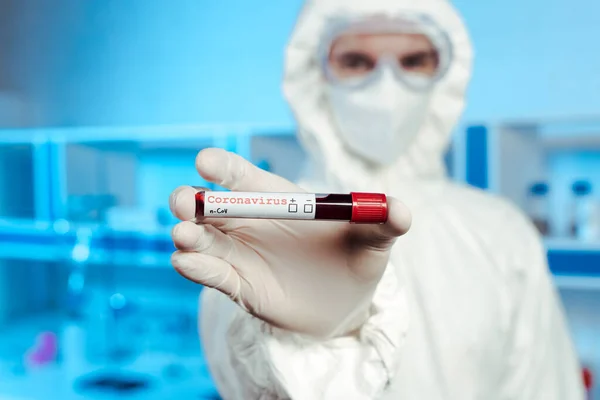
(293, 208)
(308, 208)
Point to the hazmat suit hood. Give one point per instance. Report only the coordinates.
(305, 89)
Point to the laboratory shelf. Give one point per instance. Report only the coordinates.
(118, 178)
(508, 157)
(143, 138)
(154, 133)
(569, 131)
(574, 263)
(40, 253)
(136, 165)
(577, 282)
(573, 258)
(49, 242)
(571, 245)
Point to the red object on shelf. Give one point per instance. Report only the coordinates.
(44, 351)
(588, 381)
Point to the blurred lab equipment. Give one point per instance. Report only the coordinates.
(539, 208)
(90, 208)
(585, 213)
(44, 351)
(77, 274)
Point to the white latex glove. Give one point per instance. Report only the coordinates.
(311, 277)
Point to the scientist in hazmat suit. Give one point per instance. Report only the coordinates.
(459, 306)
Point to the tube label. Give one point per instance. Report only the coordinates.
(260, 205)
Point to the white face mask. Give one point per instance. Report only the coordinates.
(378, 121)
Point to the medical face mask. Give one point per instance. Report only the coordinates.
(378, 121)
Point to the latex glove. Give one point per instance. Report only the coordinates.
(311, 277)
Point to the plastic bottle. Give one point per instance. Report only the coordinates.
(538, 207)
(583, 221)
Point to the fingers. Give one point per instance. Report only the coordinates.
(209, 271)
(183, 203)
(183, 206)
(205, 239)
(383, 236)
(233, 172)
(203, 256)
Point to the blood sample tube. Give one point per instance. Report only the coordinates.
(365, 208)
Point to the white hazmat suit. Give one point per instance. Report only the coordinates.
(466, 308)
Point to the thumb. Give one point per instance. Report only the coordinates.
(233, 172)
(383, 236)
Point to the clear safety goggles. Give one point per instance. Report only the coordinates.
(356, 53)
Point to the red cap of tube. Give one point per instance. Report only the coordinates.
(369, 208)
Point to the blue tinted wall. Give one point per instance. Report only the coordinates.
(153, 62)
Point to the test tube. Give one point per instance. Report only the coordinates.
(360, 208)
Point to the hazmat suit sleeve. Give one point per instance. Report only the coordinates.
(250, 359)
(542, 363)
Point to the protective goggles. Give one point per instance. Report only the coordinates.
(356, 53)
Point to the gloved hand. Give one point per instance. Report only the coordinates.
(311, 277)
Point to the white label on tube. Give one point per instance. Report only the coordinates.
(260, 205)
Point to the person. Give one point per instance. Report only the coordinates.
(451, 298)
